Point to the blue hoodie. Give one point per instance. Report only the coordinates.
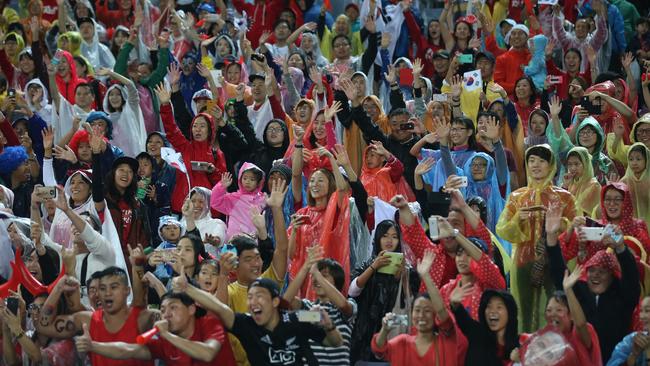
(536, 68)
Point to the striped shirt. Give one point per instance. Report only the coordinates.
(339, 356)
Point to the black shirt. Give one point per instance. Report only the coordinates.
(286, 345)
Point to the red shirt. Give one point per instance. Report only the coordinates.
(205, 328)
(127, 334)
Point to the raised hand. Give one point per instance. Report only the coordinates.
(424, 266)
(316, 76)
(460, 292)
(341, 154)
(298, 132)
(136, 255)
(331, 111)
(84, 342)
(48, 137)
(163, 94)
(188, 208)
(278, 191)
(66, 154)
(570, 279)
(349, 89)
(399, 201)
(555, 106)
(203, 71)
(370, 25)
(264, 37)
(174, 73)
(35, 27)
(425, 166)
(257, 218)
(323, 152)
(61, 200)
(456, 86)
(417, 68)
(379, 149)
(627, 60)
(443, 130)
(103, 71)
(498, 89)
(226, 179)
(391, 76)
(492, 130)
(553, 219)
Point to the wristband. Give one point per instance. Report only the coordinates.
(373, 268)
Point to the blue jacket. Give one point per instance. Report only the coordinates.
(623, 350)
(616, 26)
(536, 68)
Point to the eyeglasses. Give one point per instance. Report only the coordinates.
(478, 165)
(587, 132)
(612, 200)
(274, 129)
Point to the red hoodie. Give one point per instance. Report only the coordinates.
(192, 150)
(264, 14)
(67, 89)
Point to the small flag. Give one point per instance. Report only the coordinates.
(472, 80)
(174, 158)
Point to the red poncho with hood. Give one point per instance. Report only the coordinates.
(507, 69)
(67, 89)
(630, 226)
(385, 181)
(607, 118)
(192, 150)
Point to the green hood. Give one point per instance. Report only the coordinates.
(598, 158)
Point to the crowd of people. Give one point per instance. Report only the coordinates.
(301, 182)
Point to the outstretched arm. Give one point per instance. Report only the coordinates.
(205, 299)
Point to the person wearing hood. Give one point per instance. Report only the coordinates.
(310, 45)
(13, 46)
(30, 64)
(198, 148)
(190, 80)
(382, 174)
(612, 110)
(522, 224)
(609, 288)
(536, 68)
(589, 134)
(155, 194)
(508, 65)
(165, 172)
(122, 104)
(580, 181)
(37, 98)
(63, 78)
(538, 122)
(618, 149)
(97, 53)
(146, 78)
(212, 231)
(637, 178)
(239, 205)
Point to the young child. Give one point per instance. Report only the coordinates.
(153, 192)
(536, 67)
(237, 205)
(170, 231)
(208, 275)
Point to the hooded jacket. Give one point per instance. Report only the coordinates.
(385, 181)
(192, 150)
(67, 89)
(584, 188)
(128, 124)
(601, 163)
(238, 205)
(44, 108)
(536, 68)
(97, 54)
(639, 187)
(618, 151)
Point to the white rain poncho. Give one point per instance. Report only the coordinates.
(97, 54)
(128, 124)
(43, 108)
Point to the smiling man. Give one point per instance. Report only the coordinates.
(186, 337)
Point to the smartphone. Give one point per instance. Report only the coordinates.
(407, 126)
(439, 98)
(463, 181)
(399, 319)
(434, 234)
(592, 223)
(200, 166)
(11, 93)
(593, 233)
(406, 77)
(309, 316)
(465, 58)
(609, 229)
(590, 107)
(209, 106)
(46, 192)
(555, 79)
(12, 305)
(395, 261)
(227, 248)
(258, 57)
(166, 254)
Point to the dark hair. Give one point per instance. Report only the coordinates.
(482, 206)
(511, 334)
(541, 113)
(209, 262)
(574, 50)
(94, 276)
(427, 30)
(533, 90)
(471, 30)
(541, 152)
(639, 149)
(146, 156)
(280, 21)
(94, 221)
(488, 114)
(398, 112)
(181, 296)
(259, 175)
(110, 107)
(114, 47)
(607, 76)
(198, 247)
(81, 61)
(380, 230)
(331, 185)
(90, 87)
(114, 271)
(559, 296)
(347, 39)
(243, 243)
(468, 124)
(335, 270)
(130, 191)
